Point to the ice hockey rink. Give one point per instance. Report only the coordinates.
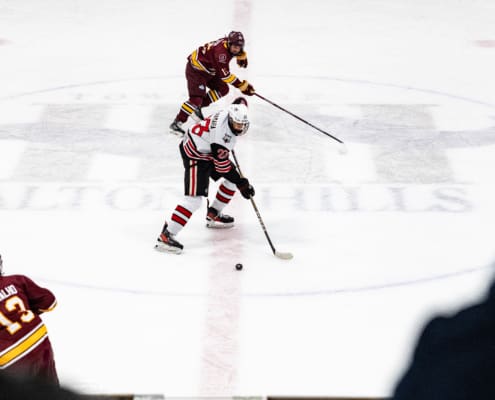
(384, 237)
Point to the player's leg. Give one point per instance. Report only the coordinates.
(46, 369)
(196, 180)
(218, 89)
(196, 86)
(214, 216)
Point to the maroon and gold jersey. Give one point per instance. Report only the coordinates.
(214, 58)
(21, 328)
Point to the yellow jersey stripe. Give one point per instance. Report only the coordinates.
(195, 62)
(229, 79)
(24, 344)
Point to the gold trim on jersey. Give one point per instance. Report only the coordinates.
(229, 78)
(197, 64)
(20, 348)
(54, 304)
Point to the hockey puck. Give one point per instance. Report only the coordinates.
(238, 267)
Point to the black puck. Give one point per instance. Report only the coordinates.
(238, 267)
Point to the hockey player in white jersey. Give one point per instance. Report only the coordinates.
(205, 151)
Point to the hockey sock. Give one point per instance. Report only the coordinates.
(224, 194)
(183, 212)
(211, 97)
(187, 108)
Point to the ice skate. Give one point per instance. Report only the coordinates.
(166, 243)
(176, 128)
(215, 219)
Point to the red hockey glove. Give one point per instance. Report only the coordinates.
(245, 188)
(246, 88)
(242, 60)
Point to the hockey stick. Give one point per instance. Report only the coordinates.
(299, 118)
(283, 256)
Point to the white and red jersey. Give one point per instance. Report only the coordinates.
(212, 140)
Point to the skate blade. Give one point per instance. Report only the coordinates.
(217, 225)
(164, 248)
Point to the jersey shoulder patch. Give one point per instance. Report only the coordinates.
(222, 57)
(227, 138)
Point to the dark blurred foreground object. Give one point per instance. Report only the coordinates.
(454, 357)
(15, 388)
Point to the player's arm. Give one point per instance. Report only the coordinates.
(222, 163)
(228, 170)
(230, 78)
(40, 299)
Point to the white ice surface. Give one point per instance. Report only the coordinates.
(397, 230)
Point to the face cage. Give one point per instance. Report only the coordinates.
(244, 129)
(236, 132)
(230, 44)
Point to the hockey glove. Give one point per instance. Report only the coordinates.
(246, 88)
(242, 60)
(245, 188)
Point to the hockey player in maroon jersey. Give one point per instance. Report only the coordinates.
(205, 151)
(208, 67)
(25, 349)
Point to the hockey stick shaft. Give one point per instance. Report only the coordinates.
(299, 118)
(256, 209)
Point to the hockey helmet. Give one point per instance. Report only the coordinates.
(1, 265)
(240, 100)
(238, 118)
(237, 39)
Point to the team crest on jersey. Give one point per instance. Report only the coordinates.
(222, 58)
(227, 138)
(202, 87)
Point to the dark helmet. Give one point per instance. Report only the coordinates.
(236, 38)
(240, 100)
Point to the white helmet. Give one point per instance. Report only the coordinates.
(238, 115)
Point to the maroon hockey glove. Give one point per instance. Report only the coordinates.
(245, 188)
(242, 60)
(246, 88)
(243, 63)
